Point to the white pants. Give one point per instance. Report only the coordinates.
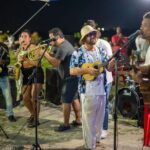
(93, 108)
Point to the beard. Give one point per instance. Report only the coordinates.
(145, 36)
(91, 42)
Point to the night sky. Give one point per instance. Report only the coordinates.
(70, 15)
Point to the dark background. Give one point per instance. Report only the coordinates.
(70, 15)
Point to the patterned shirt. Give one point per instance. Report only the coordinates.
(82, 56)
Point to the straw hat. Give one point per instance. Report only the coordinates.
(85, 31)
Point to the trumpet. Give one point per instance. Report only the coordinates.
(33, 54)
(18, 66)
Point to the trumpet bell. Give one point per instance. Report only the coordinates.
(34, 54)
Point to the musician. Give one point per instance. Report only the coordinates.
(144, 79)
(92, 93)
(118, 40)
(4, 80)
(32, 85)
(145, 31)
(69, 92)
(106, 46)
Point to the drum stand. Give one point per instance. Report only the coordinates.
(4, 132)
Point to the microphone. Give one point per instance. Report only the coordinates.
(49, 40)
(134, 35)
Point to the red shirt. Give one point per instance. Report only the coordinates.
(118, 42)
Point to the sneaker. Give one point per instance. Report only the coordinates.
(11, 118)
(104, 134)
(62, 127)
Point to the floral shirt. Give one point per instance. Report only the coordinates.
(81, 56)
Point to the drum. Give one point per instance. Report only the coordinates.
(130, 103)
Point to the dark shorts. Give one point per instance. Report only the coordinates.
(27, 73)
(69, 91)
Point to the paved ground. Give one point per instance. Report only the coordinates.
(129, 137)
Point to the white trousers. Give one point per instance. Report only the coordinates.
(93, 109)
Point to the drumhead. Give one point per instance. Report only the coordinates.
(128, 102)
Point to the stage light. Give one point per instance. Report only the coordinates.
(103, 29)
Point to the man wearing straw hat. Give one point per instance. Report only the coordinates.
(109, 78)
(92, 92)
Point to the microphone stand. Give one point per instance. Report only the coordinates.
(116, 55)
(36, 145)
(4, 132)
(39, 10)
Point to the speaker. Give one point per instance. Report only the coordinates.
(53, 86)
(13, 93)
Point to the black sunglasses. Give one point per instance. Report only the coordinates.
(92, 34)
(53, 39)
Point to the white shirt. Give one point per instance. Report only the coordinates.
(94, 87)
(106, 46)
(147, 57)
(141, 46)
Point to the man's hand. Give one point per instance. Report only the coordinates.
(93, 71)
(111, 65)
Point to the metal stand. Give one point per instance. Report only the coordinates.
(116, 55)
(36, 145)
(39, 10)
(116, 100)
(4, 132)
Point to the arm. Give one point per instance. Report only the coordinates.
(54, 61)
(29, 63)
(81, 71)
(78, 71)
(75, 68)
(111, 65)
